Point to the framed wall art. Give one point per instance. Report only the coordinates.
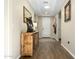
(68, 11)
(26, 14)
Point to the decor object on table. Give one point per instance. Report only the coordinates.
(29, 25)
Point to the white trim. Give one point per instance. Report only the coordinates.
(18, 57)
(68, 51)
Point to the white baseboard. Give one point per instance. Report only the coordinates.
(18, 57)
(68, 51)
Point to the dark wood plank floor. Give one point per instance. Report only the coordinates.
(49, 49)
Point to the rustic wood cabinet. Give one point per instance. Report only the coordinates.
(29, 41)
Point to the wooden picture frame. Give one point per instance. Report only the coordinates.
(68, 11)
(26, 14)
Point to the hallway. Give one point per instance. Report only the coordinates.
(28, 20)
(49, 49)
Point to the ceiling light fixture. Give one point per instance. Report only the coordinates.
(46, 7)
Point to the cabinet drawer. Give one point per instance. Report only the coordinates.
(29, 41)
(27, 49)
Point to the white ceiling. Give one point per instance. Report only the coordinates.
(38, 7)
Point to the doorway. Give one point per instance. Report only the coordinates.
(45, 27)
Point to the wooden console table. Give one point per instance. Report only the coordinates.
(29, 41)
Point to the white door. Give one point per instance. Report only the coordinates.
(46, 27)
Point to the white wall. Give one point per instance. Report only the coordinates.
(58, 27)
(14, 26)
(68, 30)
(53, 21)
(39, 26)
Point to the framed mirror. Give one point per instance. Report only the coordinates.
(26, 14)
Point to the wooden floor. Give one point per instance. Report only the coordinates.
(49, 49)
